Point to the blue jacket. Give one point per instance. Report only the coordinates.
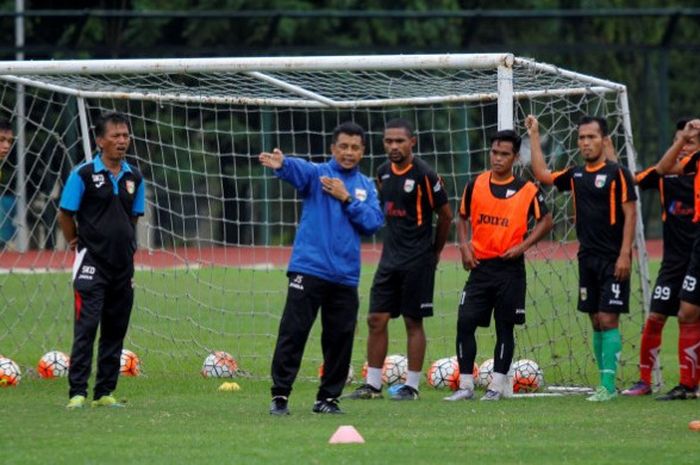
(327, 242)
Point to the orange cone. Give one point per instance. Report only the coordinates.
(346, 435)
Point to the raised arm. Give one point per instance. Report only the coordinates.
(295, 171)
(669, 162)
(274, 159)
(609, 149)
(539, 166)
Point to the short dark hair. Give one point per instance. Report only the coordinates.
(680, 124)
(5, 125)
(400, 123)
(351, 129)
(113, 117)
(602, 123)
(507, 135)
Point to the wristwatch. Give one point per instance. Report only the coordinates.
(348, 200)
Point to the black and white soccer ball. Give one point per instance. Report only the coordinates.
(527, 376)
(395, 369)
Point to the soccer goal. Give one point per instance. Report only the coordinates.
(218, 227)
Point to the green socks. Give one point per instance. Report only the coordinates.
(598, 348)
(611, 345)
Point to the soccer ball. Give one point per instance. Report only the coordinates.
(53, 364)
(351, 373)
(527, 376)
(219, 364)
(444, 373)
(395, 369)
(129, 364)
(485, 373)
(10, 375)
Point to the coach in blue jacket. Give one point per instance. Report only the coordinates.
(340, 203)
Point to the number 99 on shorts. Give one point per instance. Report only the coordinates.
(662, 293)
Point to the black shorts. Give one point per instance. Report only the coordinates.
(599, 291)
(665, 297)
(690, 290)
(404, 292)
(498, 286)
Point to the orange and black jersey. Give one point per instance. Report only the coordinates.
(499, 212)
(409, 198)
(598, 193)
(676, 197)
(690, 166)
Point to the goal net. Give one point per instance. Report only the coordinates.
(216, 236)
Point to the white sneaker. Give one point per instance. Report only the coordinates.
(460, 394)
(492, 395)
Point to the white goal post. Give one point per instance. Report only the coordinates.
(218, 227)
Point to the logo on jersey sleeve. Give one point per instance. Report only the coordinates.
(360, 194)
(408, 185)
(437, 186)
(600, 180)
(130, 187)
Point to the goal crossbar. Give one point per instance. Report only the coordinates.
(297, 83)
(213, 65)
(287, 64)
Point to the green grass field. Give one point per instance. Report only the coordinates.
(179, 419)
(176, 416)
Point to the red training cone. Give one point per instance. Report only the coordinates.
(346, 435)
